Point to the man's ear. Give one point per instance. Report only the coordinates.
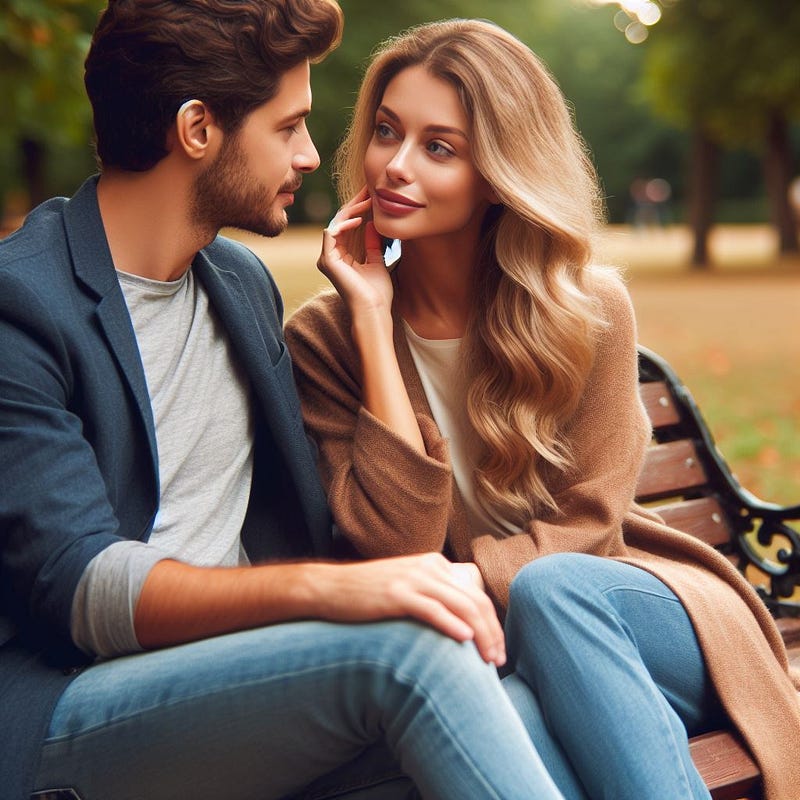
(195, 128)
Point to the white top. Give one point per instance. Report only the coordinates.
(438, 364)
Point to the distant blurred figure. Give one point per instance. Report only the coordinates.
(794, 198)
(650, 202)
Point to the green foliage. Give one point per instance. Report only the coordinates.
(598, 71)
(42, 47)
(725, 66)
(43, 44)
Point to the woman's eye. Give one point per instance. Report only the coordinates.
(439, 149)
(383, 130)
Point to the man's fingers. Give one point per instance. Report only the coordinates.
(476, 609)
(424, 587)
(437, 615)
(470, 604)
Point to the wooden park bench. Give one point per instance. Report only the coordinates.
(686, 480)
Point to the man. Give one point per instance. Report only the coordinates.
(163, 630)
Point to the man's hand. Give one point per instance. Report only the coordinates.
(425, 587)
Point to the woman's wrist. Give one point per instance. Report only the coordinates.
(371, 325)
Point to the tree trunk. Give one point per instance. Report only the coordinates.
(777, 177)
(704, 165)
(33, 157)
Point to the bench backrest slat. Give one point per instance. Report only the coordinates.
(659, 404)
(670, 469)
(703, 518)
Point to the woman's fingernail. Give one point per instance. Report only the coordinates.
(333, 229)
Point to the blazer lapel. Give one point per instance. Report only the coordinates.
(257, 339)
(94, 268)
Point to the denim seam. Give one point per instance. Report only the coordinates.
(125, 717)
(669, 732)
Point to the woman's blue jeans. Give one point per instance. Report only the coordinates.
(263, 713)
(608, 678)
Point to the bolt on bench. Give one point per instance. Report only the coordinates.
(686, 480)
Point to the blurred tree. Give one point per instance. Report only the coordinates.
(599, 72)
(42, 47)
(730, 72)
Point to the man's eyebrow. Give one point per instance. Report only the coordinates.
(295, 116)
(430, 128)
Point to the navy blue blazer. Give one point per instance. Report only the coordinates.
(78, 450)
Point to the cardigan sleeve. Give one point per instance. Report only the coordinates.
(385, 497)
(609, 434)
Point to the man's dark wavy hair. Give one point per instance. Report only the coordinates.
(149, 56)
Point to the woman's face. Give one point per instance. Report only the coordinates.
(418, 165)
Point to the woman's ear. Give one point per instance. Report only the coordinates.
(491, 195)
(194, 128)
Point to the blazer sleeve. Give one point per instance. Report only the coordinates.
(385, 496)
(54, 511)
(609, 434)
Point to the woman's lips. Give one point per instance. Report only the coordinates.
(394, 204)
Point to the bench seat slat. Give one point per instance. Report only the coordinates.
(698, 495)
(725, 765)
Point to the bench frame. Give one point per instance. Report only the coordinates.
(708, 488)
(687, 481)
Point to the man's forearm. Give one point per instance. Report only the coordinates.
(180, 603)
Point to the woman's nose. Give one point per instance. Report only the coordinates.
(399, 168)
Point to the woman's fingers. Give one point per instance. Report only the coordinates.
(373, 244)
(358, 206)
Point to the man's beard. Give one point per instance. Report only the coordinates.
(227, 195)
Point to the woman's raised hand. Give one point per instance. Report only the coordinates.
(364, 286)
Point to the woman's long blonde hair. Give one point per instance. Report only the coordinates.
(531, 339)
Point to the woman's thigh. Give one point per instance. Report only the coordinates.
(605, 614)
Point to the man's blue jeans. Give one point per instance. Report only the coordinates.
(608, 678)
(262, 713)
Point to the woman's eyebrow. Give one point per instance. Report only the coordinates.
(430, 128)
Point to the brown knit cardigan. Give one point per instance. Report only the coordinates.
(388, 499)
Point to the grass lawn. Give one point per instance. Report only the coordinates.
(732, 334)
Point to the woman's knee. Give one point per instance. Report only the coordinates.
(550, 583)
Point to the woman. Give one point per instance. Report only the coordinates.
(481, 399)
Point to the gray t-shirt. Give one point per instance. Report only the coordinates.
(204, 433)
